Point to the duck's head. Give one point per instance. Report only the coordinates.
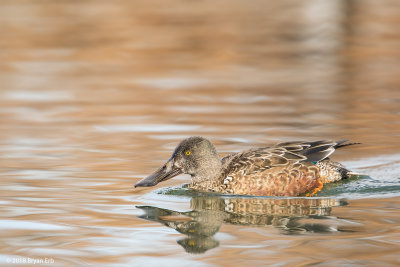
(195, 156)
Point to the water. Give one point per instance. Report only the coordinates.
(95, 96)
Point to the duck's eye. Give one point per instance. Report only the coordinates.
(188, 152)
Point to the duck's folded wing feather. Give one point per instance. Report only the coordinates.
(260, 159)
(314, 151)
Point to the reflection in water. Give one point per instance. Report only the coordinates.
(95, 94)
(209, 213)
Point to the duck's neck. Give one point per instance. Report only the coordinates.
(210, 170)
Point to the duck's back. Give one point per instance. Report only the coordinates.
(286, 169)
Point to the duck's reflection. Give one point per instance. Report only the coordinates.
(209, 213)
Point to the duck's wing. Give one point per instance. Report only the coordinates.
(313, 151)
(260, 159)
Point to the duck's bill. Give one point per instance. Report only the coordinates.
(166, 172)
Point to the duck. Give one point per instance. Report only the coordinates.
(289, 169)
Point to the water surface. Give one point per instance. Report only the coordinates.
(94, 96)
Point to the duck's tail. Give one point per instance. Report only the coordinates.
(343, 143)
(332, 171)
(343, 171)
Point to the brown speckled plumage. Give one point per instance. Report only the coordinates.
(286, 169)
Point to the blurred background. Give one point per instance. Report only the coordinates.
(94, 95)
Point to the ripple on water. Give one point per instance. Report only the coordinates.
(39, 96)
(25, 225)
(150, 128)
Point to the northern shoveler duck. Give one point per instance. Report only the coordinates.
(285, 169)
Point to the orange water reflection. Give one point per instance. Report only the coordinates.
(95, 95)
